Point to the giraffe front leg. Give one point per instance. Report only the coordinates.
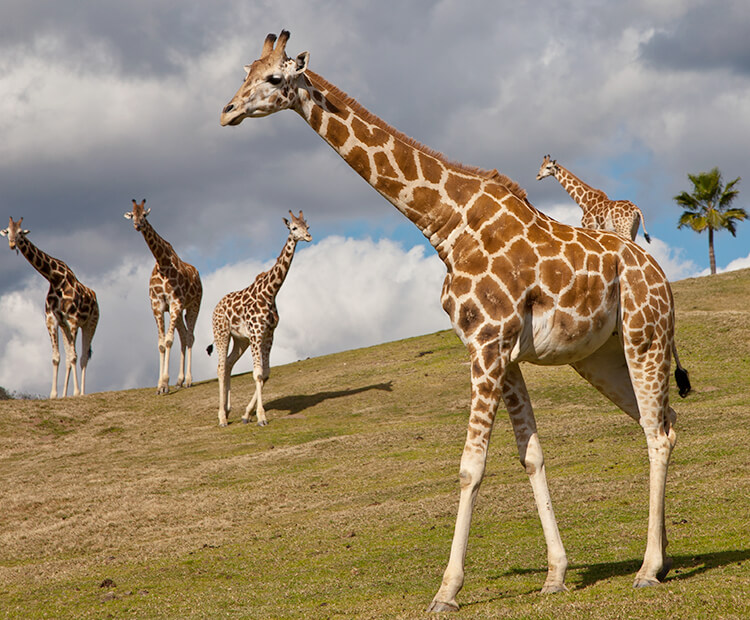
(221, 351)
(485, 395)
(71, 359)
(257, 399)
(518, 403)
(53, 336)
(182, 332)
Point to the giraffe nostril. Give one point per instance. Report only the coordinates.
(229, 108)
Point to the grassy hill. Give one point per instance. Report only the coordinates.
(125, 504)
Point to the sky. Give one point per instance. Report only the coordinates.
(105, 101)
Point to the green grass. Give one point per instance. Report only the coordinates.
(131, 505)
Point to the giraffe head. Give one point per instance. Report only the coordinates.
(298, 227)
(14, 231)
(548, 168)
(270, 84)
(138, 214)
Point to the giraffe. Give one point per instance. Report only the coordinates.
(621, 216)
(248, 318)
(175, 287)
(69, 305)
(520, 287)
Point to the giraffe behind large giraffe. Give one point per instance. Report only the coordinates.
(520, 287)
(174, 287)
(620, 216)
(69, 306)
(249, 318)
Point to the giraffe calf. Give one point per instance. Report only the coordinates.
(248, 318)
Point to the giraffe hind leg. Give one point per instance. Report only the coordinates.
(608, 370)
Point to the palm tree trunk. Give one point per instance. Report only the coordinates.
(711, 255)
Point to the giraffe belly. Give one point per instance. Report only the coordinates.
(560, 338)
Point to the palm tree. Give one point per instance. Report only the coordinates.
(709, 207)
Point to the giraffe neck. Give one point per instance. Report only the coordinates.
(160, 248)
(52, 269)
(579, 191)
(277, 273)
(419, 182)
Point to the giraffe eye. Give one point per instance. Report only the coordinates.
(274, 80)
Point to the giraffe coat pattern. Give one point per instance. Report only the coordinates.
(621, 216)
(69, 306)
(249, 318)
(175, 288)
(519, 287)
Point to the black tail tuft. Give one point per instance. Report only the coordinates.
(683, 381)
(90, 352)
(647, 237)
(209, 349)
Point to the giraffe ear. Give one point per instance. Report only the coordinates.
(4, 232)
(247, 69)
(146, 211)
(128, 215)
(302, 60)
(286, 221)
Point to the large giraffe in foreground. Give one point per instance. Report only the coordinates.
(520, 287)
(69, 306)
(174, 287)
(248, 318)
(621, 216)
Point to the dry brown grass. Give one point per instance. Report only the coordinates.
(131, 505)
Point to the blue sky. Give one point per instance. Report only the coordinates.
(106, 101)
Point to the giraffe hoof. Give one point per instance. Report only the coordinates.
(440, 606)
(245, 421)
(223, 424)
(552, 588)
(262, 423)
(645, 582)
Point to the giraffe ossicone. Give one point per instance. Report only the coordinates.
(519, 287)
(175, 288)
(69, 306)
(248, 319)
(620, 216)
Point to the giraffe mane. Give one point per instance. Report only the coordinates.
(491, 175)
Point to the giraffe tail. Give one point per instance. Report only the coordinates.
(210, 348)
(646, 236)
(681, 375)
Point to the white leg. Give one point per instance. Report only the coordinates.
(71, 359)
(608, 371)
(51, 324)
(182, 332)
(485, 395)
(518, 403)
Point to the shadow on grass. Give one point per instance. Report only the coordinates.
(683, 567)
(295, 404)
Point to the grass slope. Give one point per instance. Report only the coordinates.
(126, 504)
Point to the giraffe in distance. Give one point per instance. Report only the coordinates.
(621, 216)
(248, 318)
(174, 287)
(69, 306)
